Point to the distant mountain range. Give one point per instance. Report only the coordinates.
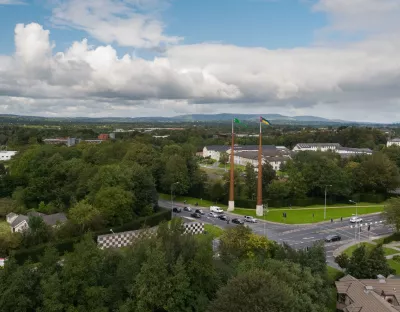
(274, 118)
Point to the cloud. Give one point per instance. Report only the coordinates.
(129, 23)
(358, 80)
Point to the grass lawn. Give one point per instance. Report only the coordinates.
(388, 251)
(395, 265)
(305, 215)
(192, 201)
(334, 274)
(213, 230)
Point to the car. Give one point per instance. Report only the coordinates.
(250, 219)
(187, 208)
(213, 214)
(237, 221)
(332, 238)
(177, 209)
(223, 217)
(196, 215)
(355, 219)
(199, 211)
(216, 209)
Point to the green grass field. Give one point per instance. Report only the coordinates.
(309, 215)
(388, 251)
(192, 201)
(394, 265)
(213, 230)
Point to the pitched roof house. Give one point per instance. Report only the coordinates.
(19, 223)
(368, 295)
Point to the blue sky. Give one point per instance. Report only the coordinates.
(329, 58)
(251, 23)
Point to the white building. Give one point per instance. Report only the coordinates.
(334, 147)
(323, 147)
(395, 142)
(19, 223)
(7, 155)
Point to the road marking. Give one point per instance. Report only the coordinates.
(308, 237)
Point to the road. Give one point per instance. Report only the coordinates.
(301, 236)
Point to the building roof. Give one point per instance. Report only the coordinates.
(394, 140)
(240, 148)
(365, 295)
(54, 218)
(309, 145)
(351, 149)
(19, 220)
(218, 148)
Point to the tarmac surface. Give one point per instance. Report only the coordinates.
(301, 235)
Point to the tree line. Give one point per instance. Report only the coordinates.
(172, 272)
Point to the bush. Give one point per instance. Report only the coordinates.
(396, 258)
(395, 237)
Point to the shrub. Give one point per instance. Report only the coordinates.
(396, 258)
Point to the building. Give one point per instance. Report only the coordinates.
(368, 295)
(7, 155)
(323, 147)
(103, 137)
(73, 141)
(334, 147)
(395, 142)
(244, 154)
(19, 223)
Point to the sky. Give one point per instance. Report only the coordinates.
(336, 59)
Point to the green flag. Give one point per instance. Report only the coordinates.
(235, 120)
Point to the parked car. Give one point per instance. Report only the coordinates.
(196, 215)
(187, 208)
(213, 214)
(223, 217)
(177, 209)
(216, 209)
(237, 221)
(250, 219)
(355, 219)
(199, 211)
(332, 238)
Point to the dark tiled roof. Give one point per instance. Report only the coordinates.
(18, 220)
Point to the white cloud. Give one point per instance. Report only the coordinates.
(359, 81)
(130, 23)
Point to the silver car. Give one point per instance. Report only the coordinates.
(213, 215)
(250, 219)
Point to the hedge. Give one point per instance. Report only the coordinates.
(67, 245)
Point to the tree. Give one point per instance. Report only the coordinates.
(115, 205)
(256, 290)
(391, 212)
(358, 266)
(217, 191)
(378, 263)
(224, 158)
(268, 173)
(84, 215)
(342, 260)
(176, 171)
(250, 181)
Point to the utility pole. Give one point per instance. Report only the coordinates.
(231, 203)
(259, 206)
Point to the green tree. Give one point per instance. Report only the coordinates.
(358, 266)
(217, 191)
(224, 158)
(391, 212)
(115, 205)
(176, 171)
(255, 291)
(85, 215)
(378, 263)
(250, 181)
(342, 260)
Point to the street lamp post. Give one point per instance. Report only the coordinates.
(353, 202)
(172, 200)
(326, 186)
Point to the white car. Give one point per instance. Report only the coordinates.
(250, 219)
(216, 209)
(213, 215)
(355, 219)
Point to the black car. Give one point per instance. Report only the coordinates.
(223, 217)
(199, 211)
(237, 221)
(196, 215)
(332, 238)
(177, 209)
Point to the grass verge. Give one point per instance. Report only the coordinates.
(388, 251)
(394, 265)
(192, 201)
(311, 215)
(213, 230)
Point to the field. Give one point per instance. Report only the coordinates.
(213, 230)
(395, 265)
(310, 214)
(192, 201)
(4, 227)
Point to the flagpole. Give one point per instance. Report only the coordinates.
(231, 204)
(259, 206)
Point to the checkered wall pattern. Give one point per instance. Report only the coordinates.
(123, 239)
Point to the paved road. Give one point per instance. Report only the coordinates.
(301, 236)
